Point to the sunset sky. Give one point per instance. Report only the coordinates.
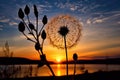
(100, 21)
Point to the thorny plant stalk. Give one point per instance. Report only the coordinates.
(35, 32)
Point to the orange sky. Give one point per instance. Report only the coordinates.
(100, 28)
(84, 49)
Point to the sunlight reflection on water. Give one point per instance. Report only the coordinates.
(60, 69)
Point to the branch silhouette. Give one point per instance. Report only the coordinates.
(35, 32)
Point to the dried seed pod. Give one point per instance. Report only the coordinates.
(35, 11)
(44, 20)
(75, 57)
(37, 46)
(21, 27)
(43, 35)
(20, 13)
(31, 26)
(27, 10)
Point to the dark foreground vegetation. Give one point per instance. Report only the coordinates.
(100, 75)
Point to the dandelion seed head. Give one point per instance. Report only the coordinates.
(69, 25)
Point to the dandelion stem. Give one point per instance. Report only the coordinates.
(66, 56)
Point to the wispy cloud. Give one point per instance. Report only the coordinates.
(4, 20)
(73, 8)
(8, 21)
(67, 5)
(98, 21)
(103, 17)
(89, 21)
(13, 23)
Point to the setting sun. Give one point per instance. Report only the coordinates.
(58, 60)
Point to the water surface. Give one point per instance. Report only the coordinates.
(59, 69)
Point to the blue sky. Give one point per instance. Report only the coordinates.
(100, 20)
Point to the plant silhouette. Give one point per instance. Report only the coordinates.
(6, 50)
(75, 57)
(35, 32)
(8, 71)
(63, 32)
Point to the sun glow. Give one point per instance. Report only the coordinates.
(58, 60)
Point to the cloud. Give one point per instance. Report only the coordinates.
(85, 8)
(8, 21)
(60, 5)
(45, 6)
(73, 8)
(13, 23)
(67, 5)
(92, 21)
(4, 20)
(88, 21)
(112, 16)
(98, 21)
